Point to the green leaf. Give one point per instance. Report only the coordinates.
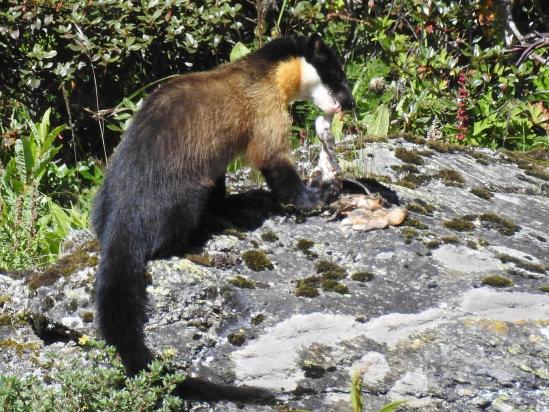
(24, 159)
(337, 127)
(479, 127)
(391, 406)
(239, 50)
(356, 392)
(44, 163)
(61, 218)
(156, 15)
(47, 143)
(380, 124)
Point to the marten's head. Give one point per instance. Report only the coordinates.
(305, 68)
(323, 78)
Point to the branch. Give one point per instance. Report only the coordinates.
(512, 30)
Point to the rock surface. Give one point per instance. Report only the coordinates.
(424, 321)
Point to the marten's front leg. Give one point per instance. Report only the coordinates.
(286, 185)
(267, 151)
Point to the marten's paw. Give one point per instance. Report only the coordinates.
(308, 199)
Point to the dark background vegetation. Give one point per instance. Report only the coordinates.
(445, 70)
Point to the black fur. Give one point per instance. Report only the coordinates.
(328, 66)
(286, 185)
(152, 199)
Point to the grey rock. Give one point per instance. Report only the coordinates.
(424, 329)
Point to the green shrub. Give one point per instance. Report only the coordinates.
(73, 55)
(94, 382)
(32, 224)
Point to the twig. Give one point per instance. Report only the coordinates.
(71, 125)
(512, 30)
(85, 42)
(528, 48)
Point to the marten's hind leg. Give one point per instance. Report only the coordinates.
(175, 224)
(216, 197)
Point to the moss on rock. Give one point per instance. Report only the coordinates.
(432, 244)
(521, 263)
(497, 281)
(409, 234)
(503, 225)
(482, 192)
(330, 270)
(233, 231)
(452, 240)
(444, 147)
(362, 276)
(269, 236)
(200, 259)
(413, 181)
(459, 224)
(237, 338)
(334, 286)
(308, 287)
(257, 319)
(450, 177)
(421, 207)
(242, 282)
(408, 156)
(304, 244)
(416, 223)
(87, 316)
(83, 257)
(405, 168)
(257, 260)
(18, 347)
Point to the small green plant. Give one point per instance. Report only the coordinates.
(482, 192)
(93, 382)
(379, 125)
(502, 224)
(269, 236)
(357, 401)
(356, 391)
(408, 156)
(32, 224)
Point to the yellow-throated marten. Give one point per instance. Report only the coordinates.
(173, 160)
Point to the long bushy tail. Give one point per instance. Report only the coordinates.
(201, 389)
(121, 298)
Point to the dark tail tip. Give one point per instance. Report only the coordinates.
(200, 389)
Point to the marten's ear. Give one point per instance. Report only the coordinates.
(316, 47)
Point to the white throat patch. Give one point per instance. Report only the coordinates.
(313, 90)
